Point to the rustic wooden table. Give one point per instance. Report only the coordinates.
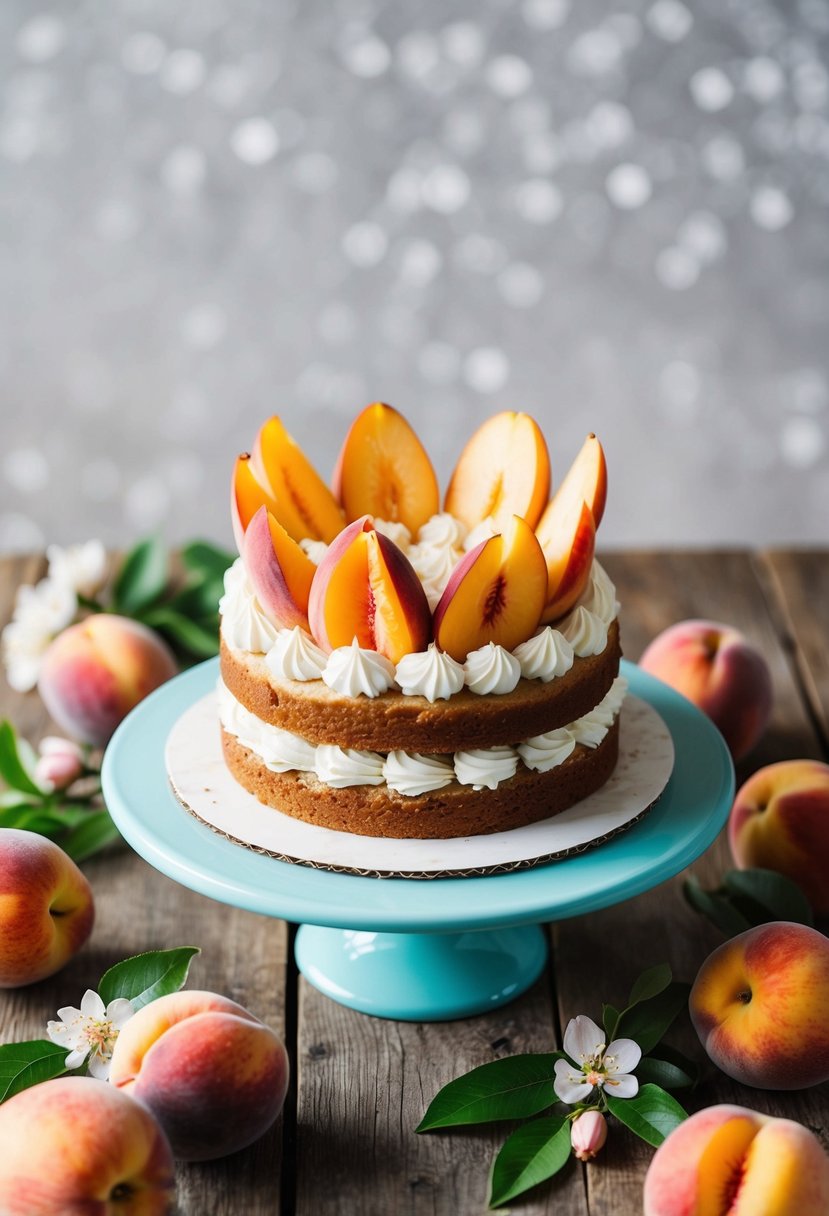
(345, 1145)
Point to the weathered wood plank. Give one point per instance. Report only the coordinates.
(598, 956)
(243, 956)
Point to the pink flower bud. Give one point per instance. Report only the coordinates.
(588, 1134)
(60, 763)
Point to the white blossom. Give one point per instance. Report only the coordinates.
(595, 1065)
(82, 568)
(40, 613)
(91, 1031)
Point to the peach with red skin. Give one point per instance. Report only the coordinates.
(77, 1147)
(95, 672)
(213, 1075)
(730, 1161)
(279, 572)
(567, 535)
(780, 821)
(718, 669)
(759, 1006)
(46, 908)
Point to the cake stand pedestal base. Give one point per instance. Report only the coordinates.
(421, 977)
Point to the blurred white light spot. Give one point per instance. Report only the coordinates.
(521, 285)
(183, 71)
(420, 263)
(418, 54)
(802, 442)
(365, 55)
(314, 172)
(723, 158)
(711, 89)
(19, 534)
(41, 38)
(486, 369)
(677, 269)
(609, 124)
(538, 201)
(770, 208)
(337, 323)
(463, 43)
(542, 152)
(143, 54)
(508, 75)
(669, 20)
(464, 131)
(628, 186)
(679, 386)
(255, 141)
(445, 189)
(183, 170)
(116, 220)
(146, 502)
(100, 479)
(763, 79)
(204, 326)
(403, 190)
(365, 244)
(481, 254)
(595, 52)
(703, 235)
(26, 470)
(545, 14)
(439, 363)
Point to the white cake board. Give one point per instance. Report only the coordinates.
(204, 786)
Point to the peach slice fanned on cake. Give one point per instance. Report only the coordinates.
(304, 505)
(587, 476)
(247, 495)
(567, 529)
(280, 573)
(494, 594)
(504, 470)
(383, 470)
(365, 588)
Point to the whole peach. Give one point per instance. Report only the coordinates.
(730, 1161)
(716, 667)
(46, 908)
(780, 821)
(78, 1147)
(214, 1076)
(96, 671)
(759, 1006)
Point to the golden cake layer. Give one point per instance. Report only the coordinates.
(456, 810)
(393, 721)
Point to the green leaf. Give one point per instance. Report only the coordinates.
(512, 1088)
(198, 598)
(26, 1064)
(650, 983)
(610, 1020)
(769, 896)
(13, 767)
(207, 559)
(32, 819)
(647, 1022)
(145, 977)
(532, 1154)
(95, 831)
(191, 636)
(142, 577)
(719, 910)
(675, 1072)
(651, 1115)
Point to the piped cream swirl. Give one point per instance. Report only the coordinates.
(586, 632)
(547, 751)
(353, 671)
(295, 656)
(546, 655)
(491, 670)
(485, 768)
(411, 773)
(431, 673)
(340, 767)
(244, 623)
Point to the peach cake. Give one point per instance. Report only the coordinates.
(392, 669)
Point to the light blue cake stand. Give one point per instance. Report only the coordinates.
(414, 949)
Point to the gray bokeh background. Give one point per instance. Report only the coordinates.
(613, 216)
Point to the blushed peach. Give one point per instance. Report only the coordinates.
(718, 669)
(46, 908)
(77, 1147)
(95, 672)
(730, 1161)
(213, 1075)
(280, 573)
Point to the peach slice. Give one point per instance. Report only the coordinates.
(504, 470)
(365, 588)
(304, 505)
(280, 573)
(247, 495)
(383, 470)
(494, 594)
(567, 535)
(587, 478)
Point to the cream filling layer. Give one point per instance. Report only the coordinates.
(410, 773)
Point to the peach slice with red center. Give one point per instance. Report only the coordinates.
(504, 470)
(567, 535)
(365, 588)
(280, 573)
(304, 505)
(587, 478)
(383, 470)
(494, 594)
